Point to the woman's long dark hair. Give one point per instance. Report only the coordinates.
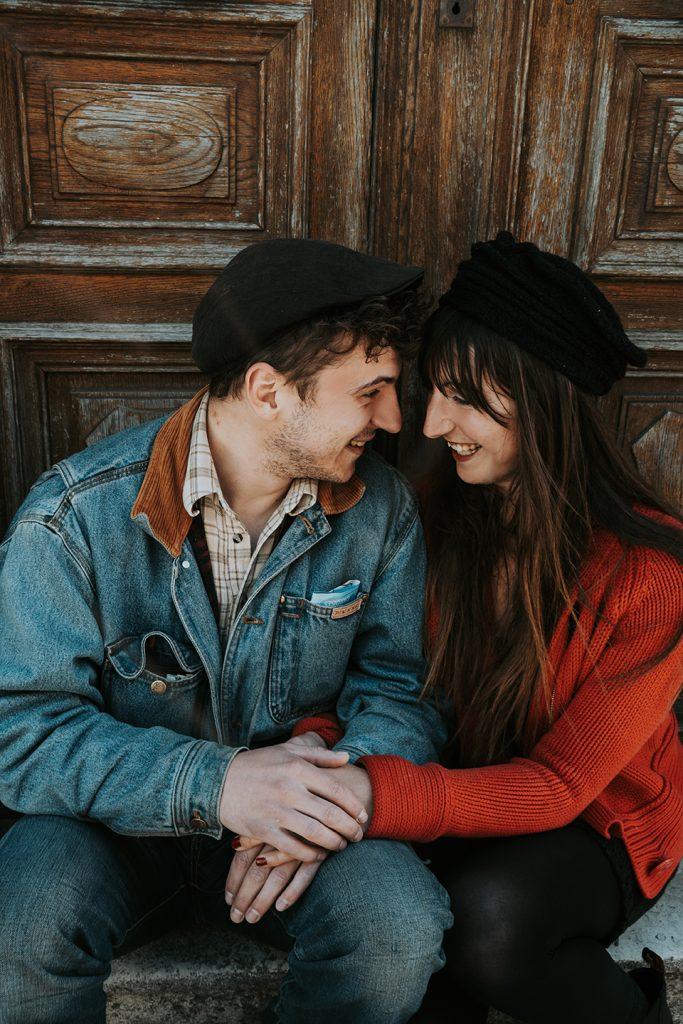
(571, 481)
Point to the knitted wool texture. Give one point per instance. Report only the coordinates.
(545, 305)
(611, 757)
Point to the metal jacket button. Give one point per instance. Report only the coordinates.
(197, 823)
(158, 686)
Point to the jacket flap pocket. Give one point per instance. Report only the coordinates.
(154, 652)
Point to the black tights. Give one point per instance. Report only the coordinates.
(532, 918)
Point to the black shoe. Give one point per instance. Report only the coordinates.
(651, 980)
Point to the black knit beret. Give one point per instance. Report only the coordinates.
(547, 306)
(273, 285)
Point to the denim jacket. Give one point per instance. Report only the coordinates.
(117, 701)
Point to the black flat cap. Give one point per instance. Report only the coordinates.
(271, 286)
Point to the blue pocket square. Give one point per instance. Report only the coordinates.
(337, 597)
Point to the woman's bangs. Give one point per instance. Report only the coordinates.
(458, 366)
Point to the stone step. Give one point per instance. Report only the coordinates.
(212, 976)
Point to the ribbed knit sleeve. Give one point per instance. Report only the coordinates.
(617, 706)
(409, 800)
(326, 725)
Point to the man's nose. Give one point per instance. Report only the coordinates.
(386, 414)
(438, 418)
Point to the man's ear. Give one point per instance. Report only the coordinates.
(263, 389)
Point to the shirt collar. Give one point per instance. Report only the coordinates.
(201, 479)
(160, 498)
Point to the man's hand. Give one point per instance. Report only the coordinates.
(275, 795)
(354, 778)
(251, 890)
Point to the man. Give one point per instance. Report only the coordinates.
(173, 599)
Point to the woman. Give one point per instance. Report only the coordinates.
(554, 613)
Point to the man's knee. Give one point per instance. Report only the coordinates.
(378, 885)
(53, 872)
(50, 861)
(378, 911)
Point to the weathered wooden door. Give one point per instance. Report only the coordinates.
(562, 121)
(144, 142)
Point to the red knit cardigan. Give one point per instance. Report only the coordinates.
(612, 756)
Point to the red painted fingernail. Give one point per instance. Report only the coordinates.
(261, 861)
(236, 844)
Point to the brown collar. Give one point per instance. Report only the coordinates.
(160, 497)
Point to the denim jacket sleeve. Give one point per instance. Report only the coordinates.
(379, 707)
(60, 752)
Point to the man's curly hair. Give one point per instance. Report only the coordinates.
(302, 351)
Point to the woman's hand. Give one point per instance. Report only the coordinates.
(306, 741)
(251, 889)
(353, 777)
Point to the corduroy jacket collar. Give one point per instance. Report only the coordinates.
(160, 497)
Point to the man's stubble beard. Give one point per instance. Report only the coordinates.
(292, 453)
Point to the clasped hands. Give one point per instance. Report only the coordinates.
(290, 805)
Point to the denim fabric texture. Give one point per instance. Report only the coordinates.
(119, 704)
(121, 712)
(364, 938)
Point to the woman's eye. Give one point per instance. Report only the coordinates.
(371, 394)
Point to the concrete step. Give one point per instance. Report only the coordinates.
(212, 976)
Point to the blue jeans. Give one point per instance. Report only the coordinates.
(364, 938)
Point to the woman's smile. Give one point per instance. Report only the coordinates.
(463, 452)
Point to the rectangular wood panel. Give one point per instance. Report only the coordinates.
(646, 412)
(623, 226)
(141, 140)
(78, 383)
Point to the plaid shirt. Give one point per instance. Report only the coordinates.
(234, 565)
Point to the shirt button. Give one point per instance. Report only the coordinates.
(197, 823)
(186, 564)
(238, 538)
(158, 686)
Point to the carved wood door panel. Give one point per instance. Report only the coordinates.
(561, 120)
(142, 146)
(144, 143)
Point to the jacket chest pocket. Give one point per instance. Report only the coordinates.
(310, 655)
(155, 680)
